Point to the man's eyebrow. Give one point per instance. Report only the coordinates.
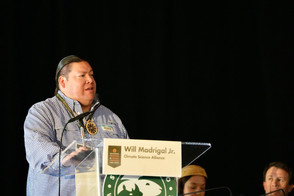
(86, 71)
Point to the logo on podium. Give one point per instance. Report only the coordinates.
(114, 156)
(121, 185)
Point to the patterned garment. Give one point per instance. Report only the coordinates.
(42, 133)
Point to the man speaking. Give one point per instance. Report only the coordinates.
(75, 94)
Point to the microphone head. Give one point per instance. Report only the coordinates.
(78, 117)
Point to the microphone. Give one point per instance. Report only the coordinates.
(211, 189)
(274, 192)
(78, 117)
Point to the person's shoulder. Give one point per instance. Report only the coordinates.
(105, 109)
(46, 104)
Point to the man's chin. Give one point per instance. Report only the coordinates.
(90, 95)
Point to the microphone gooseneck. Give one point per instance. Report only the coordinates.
(211, 189)
(282, 190)
(78, 117)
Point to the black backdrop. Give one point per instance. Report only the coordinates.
(208, 71)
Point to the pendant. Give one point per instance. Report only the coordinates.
(91, 127)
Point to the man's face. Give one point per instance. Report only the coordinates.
(275, 179)
(80, 84)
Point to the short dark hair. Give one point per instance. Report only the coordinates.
(280, 165)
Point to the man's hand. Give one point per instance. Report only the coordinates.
(69, 159)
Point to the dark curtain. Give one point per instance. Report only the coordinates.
(202, 71)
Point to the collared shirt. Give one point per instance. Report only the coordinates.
(42, 133)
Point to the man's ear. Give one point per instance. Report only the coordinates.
(263, 184)
(61, 81)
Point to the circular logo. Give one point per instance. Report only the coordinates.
(120, 185)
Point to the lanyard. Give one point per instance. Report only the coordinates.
(68, 109)
(90, 125)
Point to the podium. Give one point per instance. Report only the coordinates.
(92, 178)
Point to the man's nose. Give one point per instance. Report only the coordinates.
(90, 79)
(274, 183)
